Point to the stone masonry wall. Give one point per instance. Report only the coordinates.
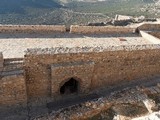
(13, 90)
(100, 29)
(62, 72)
(149, 27)
(1, 61)
(32, 28)
(156, 34)
(110, 67)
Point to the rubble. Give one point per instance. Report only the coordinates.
(123, 20)
(131, 103)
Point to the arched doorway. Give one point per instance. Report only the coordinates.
(69, 87)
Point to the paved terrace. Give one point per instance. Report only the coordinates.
(13, 45)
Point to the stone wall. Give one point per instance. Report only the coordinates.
(100, 29)
(1, 61)
(32, 28)
(149, 27)
(108, 68)
(13, 90)
(156, 34)
(152, 37)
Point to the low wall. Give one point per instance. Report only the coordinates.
(150, 37)
(32, 28)
(1, 61)
(109, 67)
(149, 27)
(12, 90)
(156, 34)
(100, 29)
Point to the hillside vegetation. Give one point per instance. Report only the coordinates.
(70, 11)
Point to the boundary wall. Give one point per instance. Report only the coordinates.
(149, 27)
(62, 28)
(156, 34)
(32, 28)
(152, 37)
(101, 29)
(77, 28)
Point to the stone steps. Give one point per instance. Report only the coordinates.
(13, 67)
(13, 64)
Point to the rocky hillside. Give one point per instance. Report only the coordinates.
(153, 8)
(72, 11)
(18, 6)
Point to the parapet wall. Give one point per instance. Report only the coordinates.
(96, 49)
(108, 67)
(32, 28)
(13, 90)
(76, 28)
(100, 29)
(149, 27)
(156, 34)
(150, 37)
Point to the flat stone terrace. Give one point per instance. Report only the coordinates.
(13, 45)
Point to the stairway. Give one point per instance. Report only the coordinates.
(12, 66)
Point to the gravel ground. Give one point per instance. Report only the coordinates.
(14, 45)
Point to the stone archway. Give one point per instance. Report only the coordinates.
(80, 71)
(71, 86)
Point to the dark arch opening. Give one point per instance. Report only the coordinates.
(69, 87)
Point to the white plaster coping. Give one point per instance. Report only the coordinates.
(150, 38)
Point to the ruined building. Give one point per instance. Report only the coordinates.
(45, 63)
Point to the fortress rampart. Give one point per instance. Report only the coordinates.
(52, 73)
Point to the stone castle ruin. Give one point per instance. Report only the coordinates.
(41, 64)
